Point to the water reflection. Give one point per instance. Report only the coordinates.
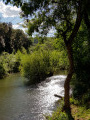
(18, 102)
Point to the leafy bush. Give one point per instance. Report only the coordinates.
(58, 60)
(10, 62)
(81, 80)
(2, 71)
(58, 114)
(36, 66)
(42, 63)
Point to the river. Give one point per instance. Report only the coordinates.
(20, 102)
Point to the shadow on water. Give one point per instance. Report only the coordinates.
(20, 102)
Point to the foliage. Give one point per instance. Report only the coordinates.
(81, 82)
(58, 114)
(58, 60)
(58, 44)
(36, 66)
(11, 39)
(47, 14)
(42, 62)
(5, 34)
(78, 112)
(2, 71)
(19, 39)
(9, 62)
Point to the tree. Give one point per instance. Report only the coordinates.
(87, 21)
(65, 16)
(12, 39)
(19, 39)
(81, 62)
(5, 33)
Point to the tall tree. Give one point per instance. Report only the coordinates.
(5, 33)
(87, 19)
(12, 39)
(65, 16)
(19, 39)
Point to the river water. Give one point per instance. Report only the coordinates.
(19, 102)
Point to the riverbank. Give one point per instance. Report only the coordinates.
(78, 112)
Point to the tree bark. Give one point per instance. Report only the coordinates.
(67, 81)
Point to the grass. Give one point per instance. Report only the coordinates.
(78, 112)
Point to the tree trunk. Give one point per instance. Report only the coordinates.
(68, 44)
(67, 81)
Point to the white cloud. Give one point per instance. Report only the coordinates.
(16, 26)
(9, 11)
(19, 27)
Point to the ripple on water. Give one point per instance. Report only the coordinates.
(18, 102)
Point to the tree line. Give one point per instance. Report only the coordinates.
(12, 39)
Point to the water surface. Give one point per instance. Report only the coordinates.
(19, 102)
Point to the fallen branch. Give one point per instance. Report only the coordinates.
(58, 96)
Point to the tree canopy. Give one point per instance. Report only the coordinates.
(12, 39)
(47, 13)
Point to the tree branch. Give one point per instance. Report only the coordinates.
(58, 96)
(77, 24)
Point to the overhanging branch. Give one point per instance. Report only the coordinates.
(77, 24)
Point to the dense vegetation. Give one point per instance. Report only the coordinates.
(81, 81)
(41, 60)
(43, 63)
(80, 101)
(78, 112)
(9, 63)
(12, 40)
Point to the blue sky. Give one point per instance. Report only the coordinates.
(9, 13)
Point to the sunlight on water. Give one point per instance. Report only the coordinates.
(18, 102)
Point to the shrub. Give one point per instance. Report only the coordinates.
(58, 60)
(42, 63)
(81, 51)
(10, 62)
(2, 71)
(58, 114)
(36, 66)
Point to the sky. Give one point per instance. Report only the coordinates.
(10, 13)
